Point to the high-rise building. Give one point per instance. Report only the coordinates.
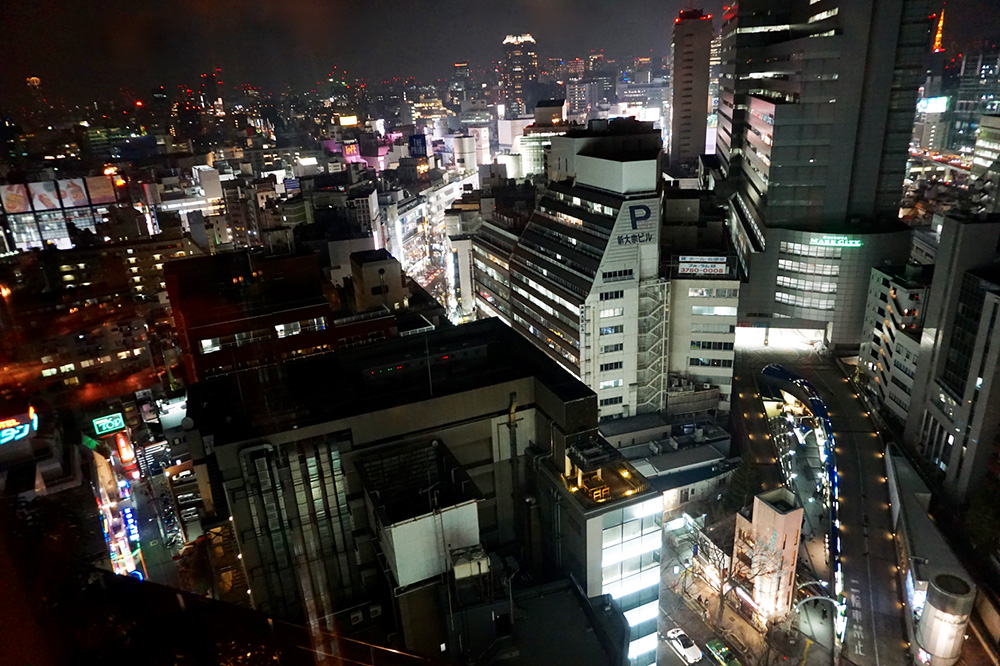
(518, 71)
(815, 120)
(890, 340)
(986, 164)
(956, 387)
(978, 93)
(609, 287)
(689, 57)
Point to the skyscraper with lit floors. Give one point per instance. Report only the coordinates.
(584, 280)
(815, 117)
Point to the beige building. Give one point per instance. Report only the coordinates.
(765, 554)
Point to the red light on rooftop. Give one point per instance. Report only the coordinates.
(138, 102)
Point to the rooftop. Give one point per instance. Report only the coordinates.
(614, 127)
(313, 390)
(781, 499)
(910, 276)
(562, 627)
(930, 555)
(414, 480)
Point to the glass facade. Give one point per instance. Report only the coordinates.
(630, 566)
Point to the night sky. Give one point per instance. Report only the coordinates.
(81, 49)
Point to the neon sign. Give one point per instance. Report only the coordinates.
(836, 241)
(108, 424)
(125, 449)
(130, 525)
(14, 429)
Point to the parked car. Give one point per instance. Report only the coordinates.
(684, 646)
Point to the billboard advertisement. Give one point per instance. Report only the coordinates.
(72, 192)
(102, 190)
(932, 105)
(15, 198)
(44, 195)
(418, 145)
(702, 269)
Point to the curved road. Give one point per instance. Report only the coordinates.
(875, 628)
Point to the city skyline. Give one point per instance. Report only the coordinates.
(604, 334)
(141, 46)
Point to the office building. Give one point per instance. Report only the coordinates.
(890, 340)
(518, 72)
(596, 285)
(815, 119)
(986, 164)
(602, 521)
(957, 386)
(342, 472)
(978, 94)
(240, 310)
(584, 274)
(690, 51)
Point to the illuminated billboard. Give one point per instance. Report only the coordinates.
(125, 449)
(15, 198)
(348, 121)
(72, 192)
(17, 428)
(109, 424)
(932, 105)
(44, 195)
(102, 190)
(836, 241)
(128, 517)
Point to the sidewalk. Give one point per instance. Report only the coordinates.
(679, 602)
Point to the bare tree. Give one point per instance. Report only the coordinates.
(721, 571)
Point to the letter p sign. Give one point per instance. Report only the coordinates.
(639, 213)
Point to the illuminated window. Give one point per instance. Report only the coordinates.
(611, 383)
(69, 367)
(48, 372)
(210, 345)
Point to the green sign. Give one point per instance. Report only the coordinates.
(836, 241)
(108, 424)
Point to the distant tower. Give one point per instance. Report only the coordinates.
(518, 69)
(210, 92)
(689, 60)
(938, 33)
(39, 108)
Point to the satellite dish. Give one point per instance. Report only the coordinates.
(187, 423)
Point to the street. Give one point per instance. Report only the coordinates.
(875, 628)
(157, 556)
